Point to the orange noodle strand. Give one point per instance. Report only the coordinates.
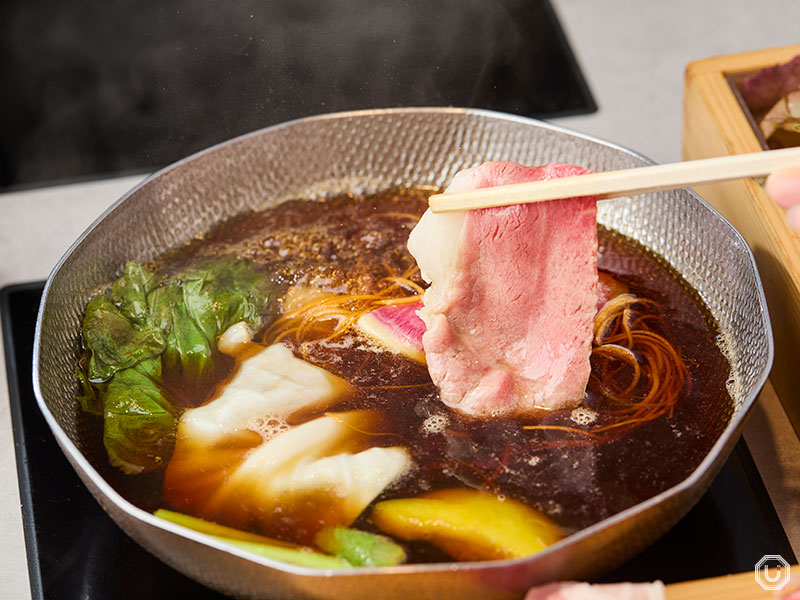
(331, 316)
(638, 373)
(345, 422)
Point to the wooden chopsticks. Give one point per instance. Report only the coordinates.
(613, 184)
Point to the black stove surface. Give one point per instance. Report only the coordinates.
(127, 86)
(75, 551)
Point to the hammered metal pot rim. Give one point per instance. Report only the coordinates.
(731, 430)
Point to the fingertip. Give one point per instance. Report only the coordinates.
(783, 186)
(793, 218)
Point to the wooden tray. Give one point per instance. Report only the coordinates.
(741, 586)
(715, 123)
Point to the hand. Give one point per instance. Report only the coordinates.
(783, 186)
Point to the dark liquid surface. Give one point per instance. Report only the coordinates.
(346, 244)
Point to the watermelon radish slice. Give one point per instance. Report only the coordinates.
(607, 288)
(396, 328)
(399, 329)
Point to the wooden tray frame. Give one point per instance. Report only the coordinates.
(716, 124)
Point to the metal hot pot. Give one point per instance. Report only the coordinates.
(372, 150)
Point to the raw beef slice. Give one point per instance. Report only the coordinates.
(513, 296)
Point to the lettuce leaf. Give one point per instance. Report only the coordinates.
(188, 354)
(118, 329)
(116, 342)
(88, 395)
(130, 292)
(224, 292)
(139, 418)
(147, 327)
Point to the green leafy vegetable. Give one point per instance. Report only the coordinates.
(130, 292)
(140, 420)
(304, 557)
(290, 553)
(147, 325)
(88, 396)
(225, 292)
(118, 329)
(116, 342)
(360, 548)
(188, 352)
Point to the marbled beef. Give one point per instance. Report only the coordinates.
(513, 296)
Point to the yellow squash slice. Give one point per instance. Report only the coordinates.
(468, 524)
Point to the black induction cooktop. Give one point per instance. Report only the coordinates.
(92, 88)
(75, 551)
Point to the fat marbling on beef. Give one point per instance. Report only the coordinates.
(513, 296)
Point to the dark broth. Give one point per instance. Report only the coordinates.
(347, 243)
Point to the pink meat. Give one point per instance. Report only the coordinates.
(570, 590)
(513, 297)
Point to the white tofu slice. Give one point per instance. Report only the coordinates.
(222, 469)
(235, 339)
(305, 442)
(354, 480)
(272, 383)
(308, 461)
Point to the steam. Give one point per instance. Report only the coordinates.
(131, 85)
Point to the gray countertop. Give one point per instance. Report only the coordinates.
(633, 53)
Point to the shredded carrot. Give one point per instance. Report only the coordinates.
(638, 372)
(562, 428)
(624, 342)
(329, 317)
(344, 421)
